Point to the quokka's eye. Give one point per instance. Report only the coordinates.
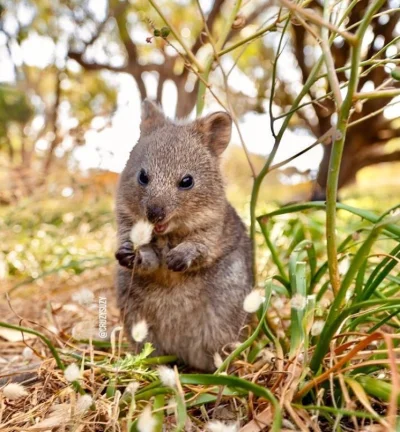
(187, 182)
(143, 178)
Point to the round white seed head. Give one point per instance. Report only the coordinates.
(72, 372)
(167, 376)
(27, 353)
(217, 360)
(253, 301)
(344, 266)
(132, 388)
(141, 233)
(298, 302)
(84, 297)
(14, 391)
(84, 403)
(146, 422)
(139, 331)
(317, 327)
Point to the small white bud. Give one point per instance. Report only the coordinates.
(317, 327)
(344, 266)
(171, 406)
(14, 391)
(167, 376)
(298, 302)
(146, 422)
(27, 353)
(84, 403)
(217, 426)
(139, 331)
(132, 388)
(141, 233)
(84, 297)
(72, 372)
(253, 301)
(218, 360)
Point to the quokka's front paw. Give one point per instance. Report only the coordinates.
(125, 255)
(178, 259)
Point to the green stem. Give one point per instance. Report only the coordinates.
(272, 249)
(365, 214)
(177, 36)
(217, 47)
(235, 382)
(252, 338)
(338, 146)
(53, 351)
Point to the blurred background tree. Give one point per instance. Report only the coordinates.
(89, 42)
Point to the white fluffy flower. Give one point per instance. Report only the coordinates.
(139, 331)
(217, 360)
(167, 376)
(317, 327)
(84, 297)
(217, 426)
(72, 372)
(344, 266)
(132, 388)
(84, 403)
(27, 353)
(146, 422)
(298, 302)
(253, 301)
(141, 233)
(14, 391)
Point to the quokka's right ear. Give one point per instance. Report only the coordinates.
(152, 117)
(216, 130)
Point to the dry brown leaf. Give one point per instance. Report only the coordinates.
(259, 422)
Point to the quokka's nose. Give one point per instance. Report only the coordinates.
(155, 214)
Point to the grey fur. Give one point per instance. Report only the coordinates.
(190, 282)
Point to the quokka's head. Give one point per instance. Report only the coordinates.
(173, 177)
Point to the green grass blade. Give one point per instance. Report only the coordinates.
(239, 383)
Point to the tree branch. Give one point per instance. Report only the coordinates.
(78, 57)
(376, 158)
(216, 8)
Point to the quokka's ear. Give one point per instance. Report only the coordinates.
(216, 130)
(152, 117)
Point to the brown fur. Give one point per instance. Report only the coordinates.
(190, 282)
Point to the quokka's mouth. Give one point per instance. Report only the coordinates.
(160, 228)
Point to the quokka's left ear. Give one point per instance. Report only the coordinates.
(216, 131)
(152, 117)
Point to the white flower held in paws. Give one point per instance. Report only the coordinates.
(72, 372)
(253, 301)
(167, 376)
(141, 233)
(139, 331)
(146, 422)
(14, 391)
